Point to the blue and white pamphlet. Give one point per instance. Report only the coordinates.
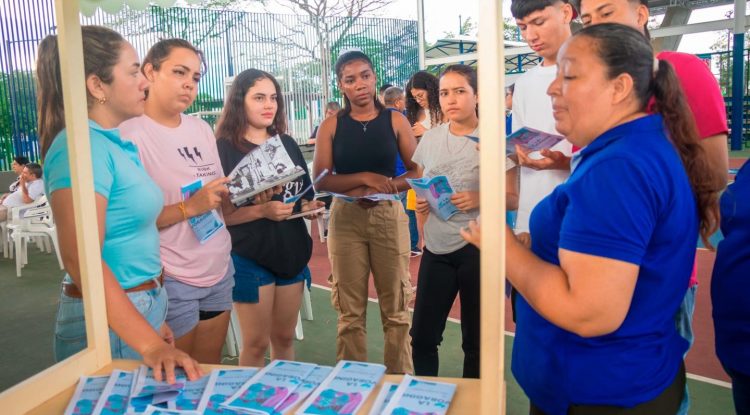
(268, 389)
(155, 410)
(116, 394)
(222, 384)
(190, 396)
(531, 139)
(437, 191)
(312, 381)
(417, 397)
(345, 389)
(206, 225)
(383, 398)
(87, 393)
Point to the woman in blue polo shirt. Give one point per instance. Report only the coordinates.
(730, 286)
(612, 247)
(127, 204)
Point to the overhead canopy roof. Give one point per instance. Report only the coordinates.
(660, 6)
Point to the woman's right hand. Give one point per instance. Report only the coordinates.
(380, 183)
(164, 357)
(208, 198)
(418, 129)
(277, 211)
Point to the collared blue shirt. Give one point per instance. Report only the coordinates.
(730, 284)
(629, 199)
(131, 239)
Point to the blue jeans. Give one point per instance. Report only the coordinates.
(70, 327)
(249, 276)
(413, 230)
(684, 323)
(740, 391)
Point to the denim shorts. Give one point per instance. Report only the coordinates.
(249, 277)
(70, 327)
(187, 301)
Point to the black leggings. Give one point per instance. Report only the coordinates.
(668, 402)
(441, 277)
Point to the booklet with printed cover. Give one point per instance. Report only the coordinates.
(116, 394)
(437, 191)
(268, 389)
(155, 410)
(206, 225)
(312, 381)
(190, 396)
(264, 167)
(383, 398)
(345, 389)
(531, 139)
(420, 397)
(87, 393)
(223, 383)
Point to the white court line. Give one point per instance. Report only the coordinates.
(697, 378)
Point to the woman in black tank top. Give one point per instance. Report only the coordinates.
(360, 146)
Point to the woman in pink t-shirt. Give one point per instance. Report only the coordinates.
(179, 153)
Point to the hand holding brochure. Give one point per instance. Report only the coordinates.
(264, 167)
(345, 389)
(268, 389)
(437, 191)
(87, 393)
(416, 396)
(531, 139)
(206, 225)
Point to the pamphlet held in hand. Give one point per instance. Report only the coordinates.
(532, 140)
(437, 191)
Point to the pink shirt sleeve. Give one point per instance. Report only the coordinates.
(702, 92)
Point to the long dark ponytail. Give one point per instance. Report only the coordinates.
(101, 52)
(625, 50)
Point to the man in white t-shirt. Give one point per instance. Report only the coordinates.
(30, 187)
(545, 26)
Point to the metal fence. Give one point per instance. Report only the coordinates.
(287, 46)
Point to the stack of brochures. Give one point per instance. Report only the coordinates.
(281, 388)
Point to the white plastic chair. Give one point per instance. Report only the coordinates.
(32, 222)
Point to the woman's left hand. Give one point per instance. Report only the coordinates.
(465, 201)
(418, 129)
(312, 205)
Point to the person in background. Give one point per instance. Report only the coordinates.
(128, 203)
(361, 144)
(509, 108)
(612, 248)
(17, 167)
(393, 97)
(177, 150)
(270, 251)
(30, 187)
(729, 287)
(381, 92)
(706, 103)
(450, 265)
(332, 108)
(422, 103)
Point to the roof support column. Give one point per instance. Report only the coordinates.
(738, 70)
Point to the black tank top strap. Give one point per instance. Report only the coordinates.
(365, 146)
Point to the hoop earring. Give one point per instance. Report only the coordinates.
(102, 100)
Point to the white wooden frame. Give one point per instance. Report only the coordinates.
(42, 387)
